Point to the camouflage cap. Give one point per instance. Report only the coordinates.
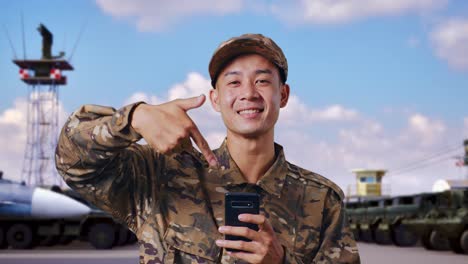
(244, 44)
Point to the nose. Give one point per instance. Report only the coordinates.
(249, 91)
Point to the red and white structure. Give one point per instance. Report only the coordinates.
(43, 78)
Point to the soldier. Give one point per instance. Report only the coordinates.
(172, 196)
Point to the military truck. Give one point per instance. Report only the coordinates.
(381, 232)
(446, 225)
(368, 215)
(439, 220)
(351, 208)
(99, 228)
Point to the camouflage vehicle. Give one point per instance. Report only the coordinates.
(363, 215)
(403, 210)
(455, 224)
(424, 225)
(366, 222)
(381, 232)
(446, 225)
(383, 220)
(351, 208)
(440, 220)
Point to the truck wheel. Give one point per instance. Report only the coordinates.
(65, 240)
(464, 241)
(132, 238)
(403, 237)
(122, 237)
(49, 241)
(425, 240)
(382, 237)
(434, 240)
(455, 244)
(439, 241)
(102, 235)
(20, 236)
(3, 242)
(356, 234)
(366, 235)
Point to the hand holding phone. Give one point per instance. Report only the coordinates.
(262, 245)
(240, 203)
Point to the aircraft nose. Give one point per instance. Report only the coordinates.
(49, 204)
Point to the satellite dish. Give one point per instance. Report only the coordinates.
(440, 186)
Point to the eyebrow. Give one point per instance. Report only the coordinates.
(257, 72)
(232, 73)
(263, 71)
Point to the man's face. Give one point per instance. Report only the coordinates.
(249, 94)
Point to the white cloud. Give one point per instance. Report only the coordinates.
(140, 96)
(335, 139)
(156, 15)
(426, 130)
(450, 41)
(195, 85)
(334, 112)
(342, 11)
(296, 112)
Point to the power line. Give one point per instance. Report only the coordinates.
(419, 166)
(435, 155)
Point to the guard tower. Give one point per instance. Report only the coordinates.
(43, 77)
(368, 182)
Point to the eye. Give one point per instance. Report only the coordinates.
(262, 81)
(234, 82)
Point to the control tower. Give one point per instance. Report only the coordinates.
(43, 77)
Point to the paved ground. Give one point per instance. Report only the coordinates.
(75, 253)
(81, 253)
(372, 253)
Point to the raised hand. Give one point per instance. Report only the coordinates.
(167, 127)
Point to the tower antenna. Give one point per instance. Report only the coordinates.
(78, 39)
(11, 43)
(24, 41)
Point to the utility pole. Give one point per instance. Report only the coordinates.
(465, 158)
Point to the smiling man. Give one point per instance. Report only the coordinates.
(172, 196)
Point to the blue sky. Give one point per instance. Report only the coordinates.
(396, 74)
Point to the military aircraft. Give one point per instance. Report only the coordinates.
(28, 213)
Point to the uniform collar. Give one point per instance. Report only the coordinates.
(272, 181)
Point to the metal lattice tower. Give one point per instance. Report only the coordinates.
(38, 166)
(43, 78)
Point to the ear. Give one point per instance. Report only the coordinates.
(214, 99)
(284, 95)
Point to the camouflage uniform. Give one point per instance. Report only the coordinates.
(175, 203)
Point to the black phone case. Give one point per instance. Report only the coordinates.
(240, 203)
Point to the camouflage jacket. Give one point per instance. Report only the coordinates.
(175, 203)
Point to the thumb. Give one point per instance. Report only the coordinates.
(191, 103)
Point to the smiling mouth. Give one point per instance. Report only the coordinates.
(249, 111)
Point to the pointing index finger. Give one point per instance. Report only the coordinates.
(204, 147)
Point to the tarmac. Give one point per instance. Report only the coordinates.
(82, 253)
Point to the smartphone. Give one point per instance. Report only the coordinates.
(236, 204)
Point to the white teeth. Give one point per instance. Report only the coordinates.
(249, 111)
